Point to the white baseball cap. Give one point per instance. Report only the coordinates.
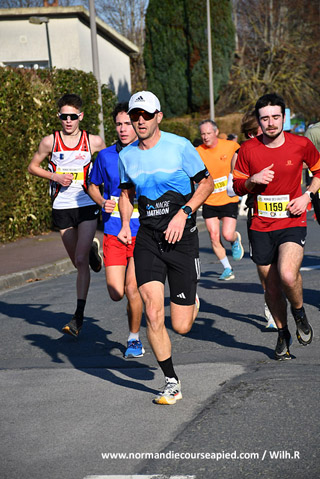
(144, 100)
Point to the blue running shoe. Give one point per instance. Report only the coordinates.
(237, 248)
(134, 349)
(226, 275)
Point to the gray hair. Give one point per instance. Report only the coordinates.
(212, 123)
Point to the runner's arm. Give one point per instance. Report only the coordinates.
(36, 169)
(230, 190)
(176, 226)
(107, 205)
(96, 143)
(126, 209)
(298, 205)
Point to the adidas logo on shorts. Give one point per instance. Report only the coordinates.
(181, 295)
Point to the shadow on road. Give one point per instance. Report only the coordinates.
(89, 353)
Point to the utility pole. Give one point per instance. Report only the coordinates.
(95, 61)
(211, 92)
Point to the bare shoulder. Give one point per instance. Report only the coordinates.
(46, 144)
(44, 150)
(96, 143)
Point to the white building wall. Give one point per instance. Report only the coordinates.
(70, 42)
(22, 41)
(115, 68)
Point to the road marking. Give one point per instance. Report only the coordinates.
(310, 268)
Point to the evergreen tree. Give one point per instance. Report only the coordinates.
(176, 55)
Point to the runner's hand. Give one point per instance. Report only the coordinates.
(264, 177)
(64, 180)
(175, 228)
(297, 206)
(125, 235)
(109, 206)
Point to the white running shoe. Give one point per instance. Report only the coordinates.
(197, 304)
(171, 392)
(267, 314)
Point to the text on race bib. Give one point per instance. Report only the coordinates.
(273, 206)
(220, 184)
(77, 172)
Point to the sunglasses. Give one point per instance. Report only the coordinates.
(135, 115)
(73, 116)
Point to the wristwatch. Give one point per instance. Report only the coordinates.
(187, 210)
(309, 194)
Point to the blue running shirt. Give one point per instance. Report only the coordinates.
(163, 177)
(105, 171)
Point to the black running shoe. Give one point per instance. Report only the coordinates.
(95, 259)
(304, 330)
(282, 349)
(73, 327)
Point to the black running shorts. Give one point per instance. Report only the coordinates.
(155, 259)
(72, 217)
(264, 245)
(225, 211)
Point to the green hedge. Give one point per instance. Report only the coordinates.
(176, 127)
(28, 112)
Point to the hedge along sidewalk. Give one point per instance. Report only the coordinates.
(28, 112)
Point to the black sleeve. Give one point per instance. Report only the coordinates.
(126, 186)
(200, 175)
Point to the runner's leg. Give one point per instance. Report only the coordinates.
(289, 262)
(275, 298)
(86, 232)
(135, 305)
(152, 294)
(228, 229)
(213, 227)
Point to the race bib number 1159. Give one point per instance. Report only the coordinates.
(273, 206)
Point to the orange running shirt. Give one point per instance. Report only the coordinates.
(218, 163)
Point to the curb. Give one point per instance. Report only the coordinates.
(36, 274)
(58, 268)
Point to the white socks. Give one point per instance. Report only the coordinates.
(133, 336)
(225, 263)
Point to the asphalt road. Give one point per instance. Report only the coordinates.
(67, 405)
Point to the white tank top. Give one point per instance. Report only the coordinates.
(77, 161)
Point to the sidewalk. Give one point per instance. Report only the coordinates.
(33, 259)
(39, 257)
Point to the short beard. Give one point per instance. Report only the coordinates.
(273, 137)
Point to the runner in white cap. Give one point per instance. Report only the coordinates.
(161, 170)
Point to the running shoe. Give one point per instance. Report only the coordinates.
(237, 248)
(73, 327)
(197, 303)
(304, 330)
(226, 275)
(171, 392)
(267, 314)
(95, 259)
(282, 348)
(134, 349)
